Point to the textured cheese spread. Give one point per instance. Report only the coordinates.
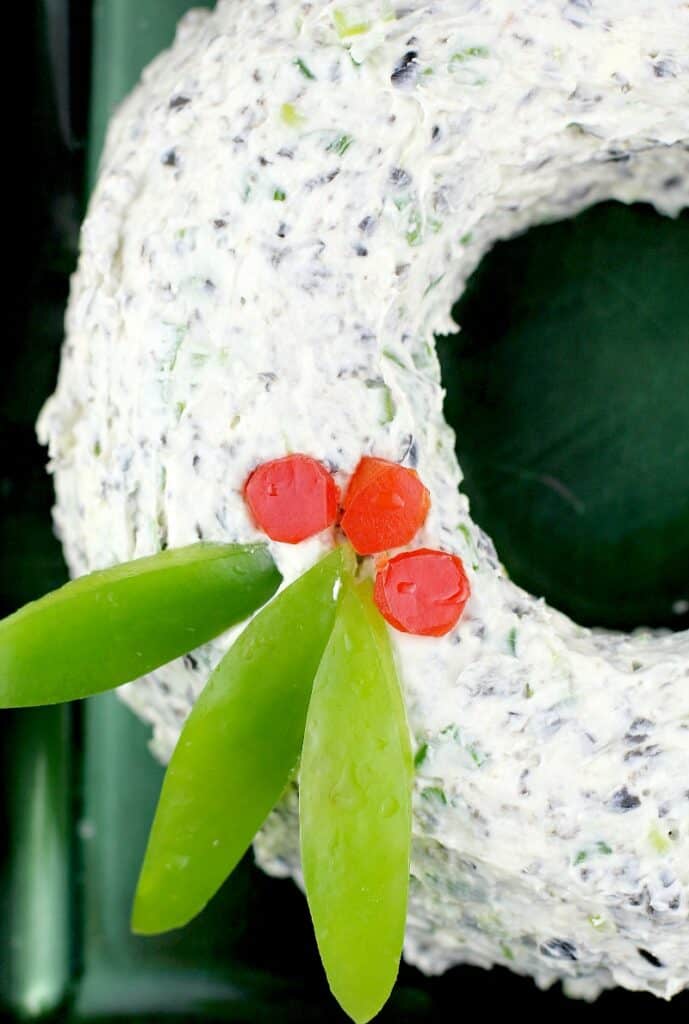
(288, 206)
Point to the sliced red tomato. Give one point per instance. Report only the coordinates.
(384, 507)
(292, 498)
(422, 592)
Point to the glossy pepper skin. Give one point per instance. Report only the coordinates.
(237, 750)
(113, 626)
(384, 506)
(292, 498)
(423, 592)
(355, 808)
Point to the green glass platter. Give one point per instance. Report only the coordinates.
(79, 784)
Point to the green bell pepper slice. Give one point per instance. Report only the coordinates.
(237, 751)
(113, 626)
(355, 808)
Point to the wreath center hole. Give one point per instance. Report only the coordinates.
(568, 389)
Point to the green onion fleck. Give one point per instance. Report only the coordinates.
(658, 840)
(434, 793)
(465, 532)
(469, 53)
(305, 69)
(290, 115)
(389, 407)
(414, 233)
(345, 30)
(476, 756)
(340, 145)
(433, 284)
(393, 358)
(421, 755)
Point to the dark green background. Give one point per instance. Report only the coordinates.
(552, 320)
(569, 390)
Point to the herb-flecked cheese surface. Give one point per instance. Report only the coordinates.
(288, 206)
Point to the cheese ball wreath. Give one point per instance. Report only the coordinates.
(288, 206)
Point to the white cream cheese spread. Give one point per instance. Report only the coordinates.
(288, 206)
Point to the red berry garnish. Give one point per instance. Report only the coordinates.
(292, 498)
(384, 507)
(422, 592)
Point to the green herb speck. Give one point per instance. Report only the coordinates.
(476, 756)
(414, 233)
(506, 952)
(462, 56)
(290, 115)
(600, 847)
(393, 358)
(466, 239)
(421, 755)
(434, 793)
(464, 530)
(389, 407)
(512, 640)
(528, 691)
(344, 29)
(279, 196)
(436, 281)
(340, 145)
(180, 334)
(658, 840)
(305, 69)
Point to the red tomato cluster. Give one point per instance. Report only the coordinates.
(292, 498)
(385, 506)
(422, 592)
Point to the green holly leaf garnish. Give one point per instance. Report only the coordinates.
(237, 751)
(111, 627)
(355, 808)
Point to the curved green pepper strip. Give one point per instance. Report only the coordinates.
(355, 808)
(113, 626)
(237, 751)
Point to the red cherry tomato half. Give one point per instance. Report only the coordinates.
(384, 507)
(292, 498)
(422, 592)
